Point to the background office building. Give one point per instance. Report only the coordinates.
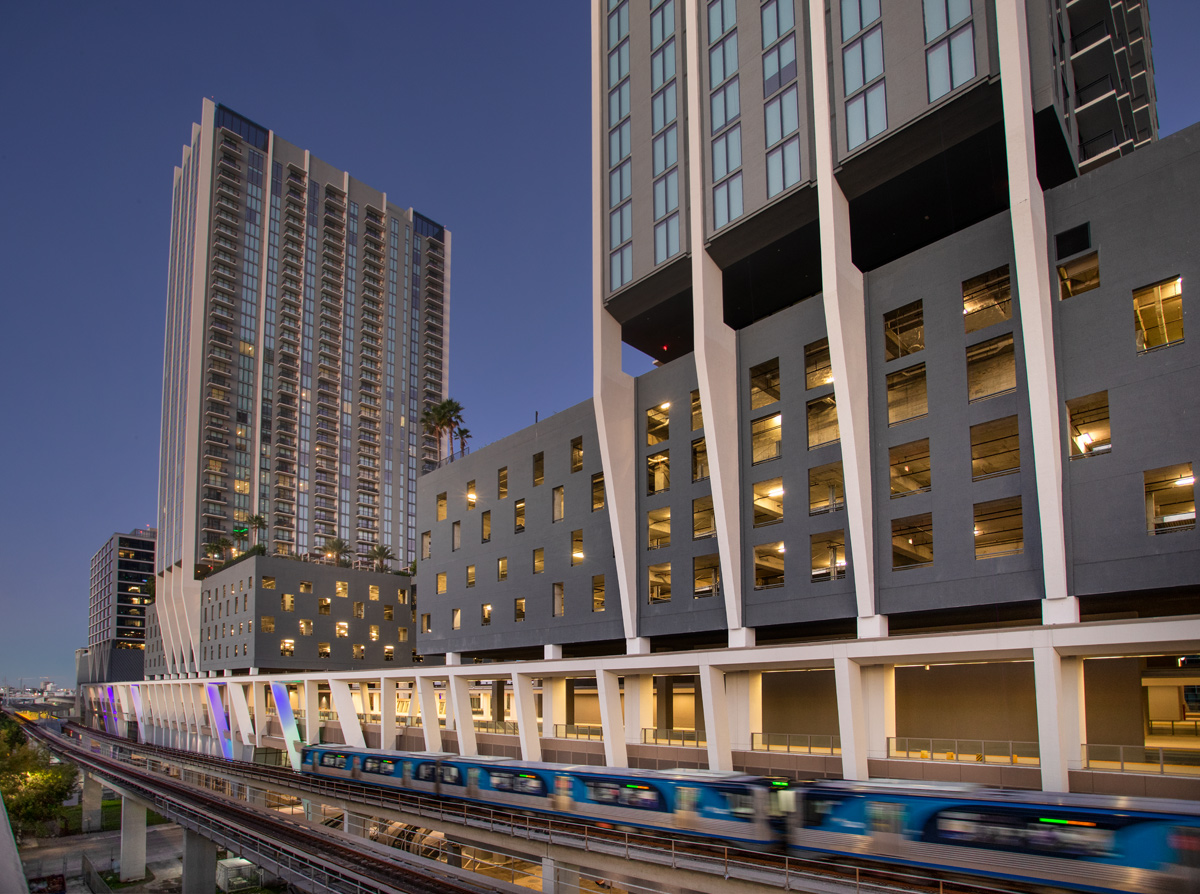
(120, 594)
(306, 333)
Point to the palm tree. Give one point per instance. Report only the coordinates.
(433, 420)
(211, 550)
(337, 549)
(381, 555)
(464, 435)
(453, 411)
(222, 545)
(256, 523)
(441, 419)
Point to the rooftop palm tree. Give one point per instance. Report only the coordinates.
(256, 523)
(445, 419)
(223, 545)
(337, 549)
(464, 435)
(381, 555)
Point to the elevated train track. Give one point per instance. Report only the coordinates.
(673, 860)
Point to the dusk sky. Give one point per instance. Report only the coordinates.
(474, 113)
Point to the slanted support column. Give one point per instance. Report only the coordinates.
(664, 703)
(258, 698)
(852, 719)
(240, 713)
(608, 688)
(554, 704)
(133, 839)
(844, 299)
(312, 713)
(639, 706)
(525, 707)
(429, 716)
(90, 804)
(343, 704)
(464, 721)
(879, 692)
(1032, 255)
(1058, 683)
(743, 693)
(559, 878)
(387, 714)
(712, 690)
(199, 864)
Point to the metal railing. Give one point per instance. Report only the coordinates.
(977, 751)
(686, 738)
(578, 731)
(500, 727)
(1140, 759)
(795, 743)
(1175, 727)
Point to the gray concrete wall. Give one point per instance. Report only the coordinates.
(967, 701)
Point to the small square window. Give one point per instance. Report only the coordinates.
(998, 528)
(266, 624)
(287, 648)
(987, 299)
(706, 576)
(373, 633)
(1088, 425)
(826, 488)
(341, 588)
(658, 472)
(342, 629)
(768, 502)
(359, 651)
(764, 383)
(904, 331)
(323, 606)
(559, 597)
(305, 586)
(704, 522)
(766, 438)
(697, 412)
(426, 626)
(455, 538)
(519, 609)
(658, 427)
(389, 613)
(1170, 499)
(577, 547)
(360, 610)
(597, 491)
(991, 368)
(426, 544)
(1158, 314)
(768, 565)
(539, 468)
(485, 526)
(502, 568)
(502, 483)
(577, 454)
(818, 368)
(389, 653)
(470, 575)
(519, 516)
(287, 602)
(1079, 275)
(557, 504)
(539, 560)
(910, 469)
(822, 421)
(659, 582)
(828, 556)
(268, 583)
(471, 495)
(907, 394)
(658, 528)
(441, 507)
(699, 460)
(373, 592)
(995, 448)
(912, 541)
(485, 614)
(323, 650)
(597, 592)
(441, 582)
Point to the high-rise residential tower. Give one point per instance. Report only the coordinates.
(306, 333)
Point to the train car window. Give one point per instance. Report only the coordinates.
(741, 803)
(641, 797)
(818, 810)
(451, 775)
(686, 799)
(884, 816)
(337, 761)
(521, 783)
(1059, 836)
(501, 782)
(426, 772)
(380, 766)
(1186, 842)
(603, 792)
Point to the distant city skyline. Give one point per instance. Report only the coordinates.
(488, 103)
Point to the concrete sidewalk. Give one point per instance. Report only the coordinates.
(63, 856)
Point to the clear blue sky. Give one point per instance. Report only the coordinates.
(476, 113)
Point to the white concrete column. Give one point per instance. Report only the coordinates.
(343, 705)
(387, 713)
(525, 706)
(312, 712)
(554, 704)
(429, 716)
(612, 389)
(133, 840)
(1032, 254)
(258, 697)
(551, 651)
(852, 720)
(716, 354)
(716, 716)
(199, 864)
(464, 721)
(844, 299)
(639, 706)
(139, 710)
(608, 688)
(879, 692)
(1058, 684)
(559, 878)
(240, 713)
(743, 693)
(90, 804)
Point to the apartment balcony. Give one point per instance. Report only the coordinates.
(212, 495)
(211, 512)
(216, 410)
(228, 163)
(286, 494)
(213, 527)
(224, 290)
(288, 468)
(212, 436)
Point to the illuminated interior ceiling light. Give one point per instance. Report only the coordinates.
(841, 563)
(1185, 481)
(781, 549)
(976, 533)
(775, 492)
(577, 555)
(665, 406)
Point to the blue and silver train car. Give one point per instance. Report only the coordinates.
(1084, 842)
